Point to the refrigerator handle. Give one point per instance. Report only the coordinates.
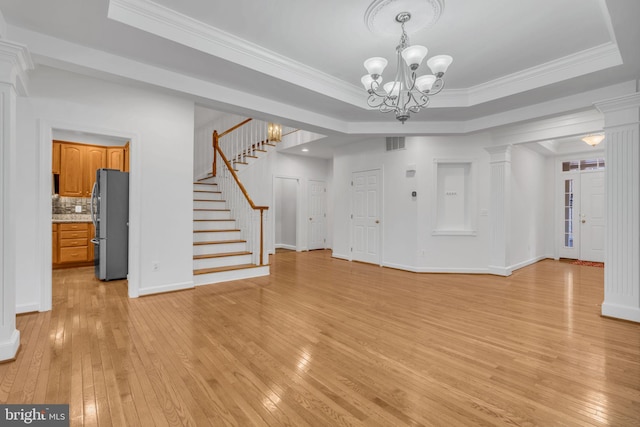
(93, 205)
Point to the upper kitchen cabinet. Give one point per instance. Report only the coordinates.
(72, 165)
(78, 164)
(55, 156)
(95, 158)
(115, 158)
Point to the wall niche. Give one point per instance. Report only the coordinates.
(455, 198)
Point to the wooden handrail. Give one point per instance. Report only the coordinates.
(216, 147)
(234, 128)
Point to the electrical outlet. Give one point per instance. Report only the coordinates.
(155, 265)
(78, 209)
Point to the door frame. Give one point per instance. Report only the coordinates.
(380, 209)
(44, 205)
(560, 177)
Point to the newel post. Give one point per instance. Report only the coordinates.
(215, 152)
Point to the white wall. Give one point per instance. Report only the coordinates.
(160, 128)
(408, 223)
(285, 212)
(530, 191)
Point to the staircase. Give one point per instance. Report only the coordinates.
(219, 252)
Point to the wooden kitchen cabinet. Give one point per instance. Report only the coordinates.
(96, 158)
(115, 158)
(72, 244)
(55, 158)
(54, 243)
(78, 165)
(72, 158)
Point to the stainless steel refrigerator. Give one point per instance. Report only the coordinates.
(110, 216)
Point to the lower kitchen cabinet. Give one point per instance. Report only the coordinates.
(72, 245)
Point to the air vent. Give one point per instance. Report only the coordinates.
(395, 143)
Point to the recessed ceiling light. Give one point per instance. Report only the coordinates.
(305, 150)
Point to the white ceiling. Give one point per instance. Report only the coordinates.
(301, 61)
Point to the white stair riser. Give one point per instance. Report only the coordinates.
(209, 204)
(206, 195)
(226, 276)
(214, 225)
(216, 236)
(219, 248)
(221, 262)
(205, 187)
(211, 214)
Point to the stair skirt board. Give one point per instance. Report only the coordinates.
(241, 272)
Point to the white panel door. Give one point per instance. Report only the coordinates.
(317, 215)
(366, 203)
(592, 206)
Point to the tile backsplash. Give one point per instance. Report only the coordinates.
(67, 205)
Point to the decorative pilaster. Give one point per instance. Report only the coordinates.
(14, 62)
(622, 177)
(500, 209)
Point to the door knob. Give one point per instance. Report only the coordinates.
(584, 220)
(377, 221)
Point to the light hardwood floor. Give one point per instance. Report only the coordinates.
(326, 342)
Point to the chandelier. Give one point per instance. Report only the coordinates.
(407, 93)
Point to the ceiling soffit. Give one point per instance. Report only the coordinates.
(162, 21)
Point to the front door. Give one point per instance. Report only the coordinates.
(592, 216)
(366, 205)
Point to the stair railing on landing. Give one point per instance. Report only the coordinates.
(251, 219)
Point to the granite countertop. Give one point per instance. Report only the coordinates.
(57, 218)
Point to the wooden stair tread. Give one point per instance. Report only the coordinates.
(205, 183)
(199, 220)
(229, 268)
(212, 210)
(208, 192)
(221, 255)
(216, 231)
(240, 163)
(207, 200)
(219, 242)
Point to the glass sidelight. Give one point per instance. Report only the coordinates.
(568, 213)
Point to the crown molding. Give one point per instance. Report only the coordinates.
(169, 24)
(16, 62)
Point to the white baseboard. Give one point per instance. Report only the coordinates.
(166, 288)
(621, 312)
(499, 271)
(340, 256)
(528, 262)
(27, 308)
(9, 348)
(455, 270)
(284, 246)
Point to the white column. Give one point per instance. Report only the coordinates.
(622, 176)
(14, 62)
(500, 209)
